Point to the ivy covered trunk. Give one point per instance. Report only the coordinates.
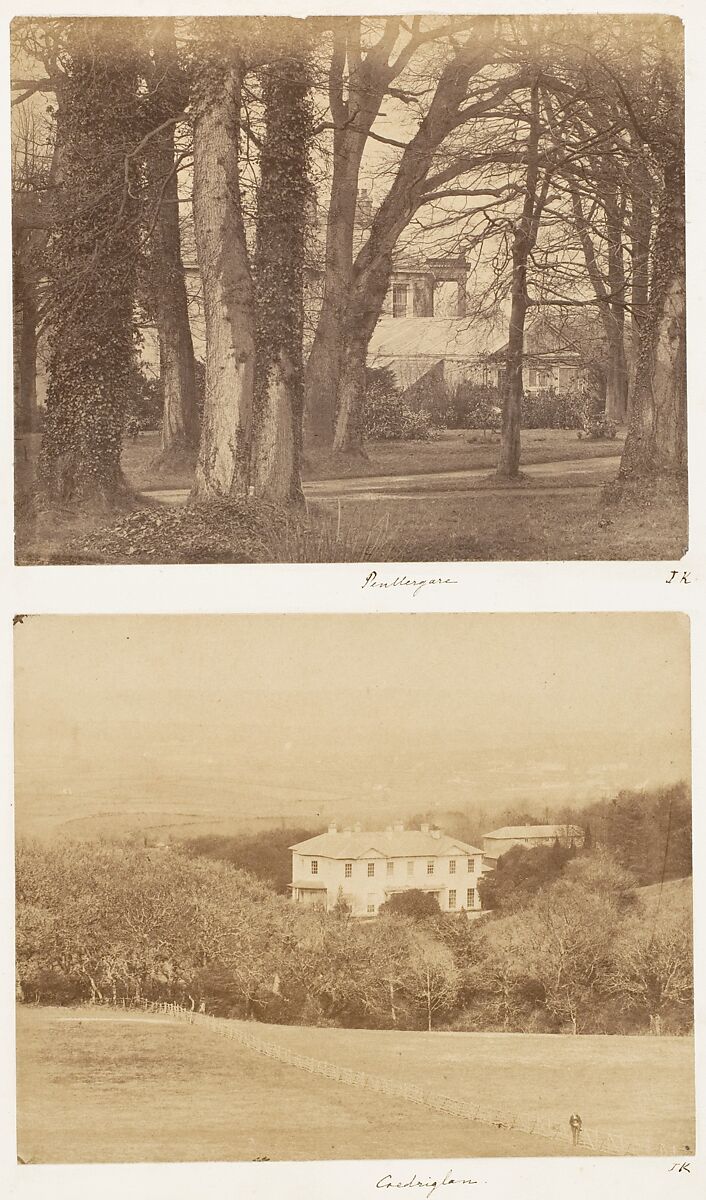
(223, 465)
(168, 96)
(656, 442)
(26, 293)
(91, 268)
(279, 272)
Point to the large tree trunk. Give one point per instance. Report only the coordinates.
(180, 424)
(509, 461)
(279, 271)
(325, 357)
(348, 438)
(656, 443)
(373, 264)
(641, 186)
(92, 265)
(364, 310)
(27, 354)
(616, 401)
(224, 453)
(610, 292)
(523, 242)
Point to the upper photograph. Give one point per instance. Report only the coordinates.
(349, 289)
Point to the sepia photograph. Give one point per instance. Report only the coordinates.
(403, 288)
(311, 888)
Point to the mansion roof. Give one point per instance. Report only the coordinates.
(535, 831)
(405, 843)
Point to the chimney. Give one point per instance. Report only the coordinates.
(424, 828)
(333, 827)
(398, 827)
(364, 208)
(436, 833)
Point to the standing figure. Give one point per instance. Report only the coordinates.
(575, 1124)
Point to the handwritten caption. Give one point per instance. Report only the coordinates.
(372, 580)
(428, 1186)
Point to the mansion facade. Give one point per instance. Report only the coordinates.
(364, 869)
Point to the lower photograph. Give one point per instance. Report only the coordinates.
(353, 887)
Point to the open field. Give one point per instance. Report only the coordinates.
(547, 1074)
(95, 1086)
(138, 1089)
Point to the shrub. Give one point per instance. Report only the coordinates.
(598, 428)
(470, 406)
(386, 415)
(555, 410)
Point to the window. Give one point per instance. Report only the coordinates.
(430, 867)
(314, 866)
(471, 865)
(348, 870)
(452, 897)
(390, 868)
(399, 299)
(471, 898)
(371, 869)
(567, 378)
(410, 868)
(532, 378)
(452, 866)
(371, 908)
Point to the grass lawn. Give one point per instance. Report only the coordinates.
(150, 1090)
(452, 450)
(602, 1077)
(519, 524)
(549, 518)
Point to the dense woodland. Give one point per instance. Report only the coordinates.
(549, 148)
(570, 945)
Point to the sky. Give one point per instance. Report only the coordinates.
(344, 714)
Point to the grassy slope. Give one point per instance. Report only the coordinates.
(540, 1074)
(102, 1091)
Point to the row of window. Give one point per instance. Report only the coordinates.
(470, 899)
(390, 867)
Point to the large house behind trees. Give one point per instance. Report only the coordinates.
(363, 869)
(499, 841)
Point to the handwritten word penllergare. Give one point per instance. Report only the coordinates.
(403, 581)
(429, 1186)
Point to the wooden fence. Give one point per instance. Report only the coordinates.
(538, 1126)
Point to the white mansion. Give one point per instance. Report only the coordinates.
(365, 868)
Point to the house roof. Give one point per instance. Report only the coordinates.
(431, 337)
(529, 831)
(405, 843)
(312, 885)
